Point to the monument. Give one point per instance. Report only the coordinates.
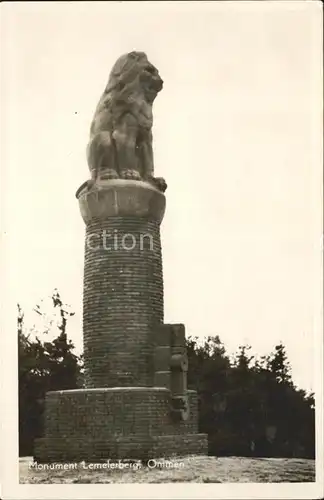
(135, 404)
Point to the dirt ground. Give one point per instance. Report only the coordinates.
(195, 469)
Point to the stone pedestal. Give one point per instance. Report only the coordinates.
(136, 404)
(116, 423)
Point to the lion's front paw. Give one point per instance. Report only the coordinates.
(160, 183)
(131, 174)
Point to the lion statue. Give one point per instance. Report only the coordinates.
(120, 143)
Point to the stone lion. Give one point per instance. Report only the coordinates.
(120, 143)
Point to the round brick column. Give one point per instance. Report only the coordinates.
(123, 281)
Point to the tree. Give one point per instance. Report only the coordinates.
(279, 366)
(43, 366)
(250, 405)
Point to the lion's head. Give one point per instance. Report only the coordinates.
(132, 74)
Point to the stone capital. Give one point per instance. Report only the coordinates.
(121, 197)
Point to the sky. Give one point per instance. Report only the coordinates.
(237, 136)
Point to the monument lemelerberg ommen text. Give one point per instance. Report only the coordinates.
(135, 404)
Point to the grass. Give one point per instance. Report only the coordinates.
(194, 469)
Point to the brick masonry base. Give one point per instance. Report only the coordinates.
(116, 423)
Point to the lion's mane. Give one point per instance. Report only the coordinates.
(122, 92)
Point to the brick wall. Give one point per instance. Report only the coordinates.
(131, 447)
(90, 424)
(106, 413)
(122, 301)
